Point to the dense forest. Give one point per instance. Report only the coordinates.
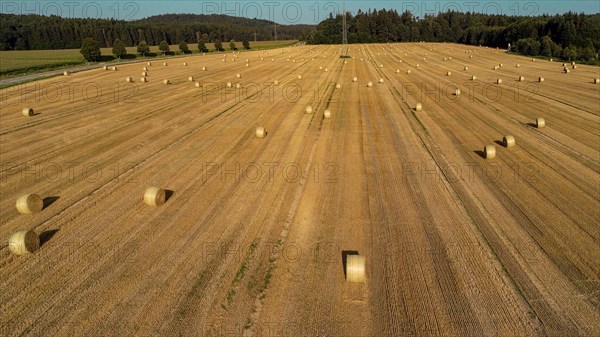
(23, 32)
(568, 36)
(571, 36)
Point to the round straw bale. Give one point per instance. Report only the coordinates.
(65, 73)
(397, 71)
(144, 73)
(143, 80)
(228, 84)
(185, 64)
(449, 73)
(489, 152)
(540, 123)
(309, 109)
(327, 114)
(499, 81)
(114, 68)
(508, 141)
(457, 92)
(276, 82)
(408, 71)
(466, 68)
(473, 78)
(149, 63)
(261, 132)
(29, 203)
(299, 77)
(145, 69)
(370, 84)
(541, 79)
(129, 79)
(198, 85)
(338, 86)
(596, 80)
(355, 268)
(24, 242)
(419, 107)
(166, 82)
(105, 67)
(355, 79)
(238, 85)
(165, 64)
(154, 196)
(381, 80)
(521, 78)
(27, 112)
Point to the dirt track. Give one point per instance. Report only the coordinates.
(252, 239)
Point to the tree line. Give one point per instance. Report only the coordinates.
(90, 49)
(36, 32)
(569, 36)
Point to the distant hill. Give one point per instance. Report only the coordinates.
(23, 32)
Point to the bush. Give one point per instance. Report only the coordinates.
(119, 49)
(143, 48)
(202, 46)
(90, 50)
(246, 44)
(528, 46)
(547, 47)
(232, 45)
(164, 47)
(219, 45)
(569, 54)
(184, 47)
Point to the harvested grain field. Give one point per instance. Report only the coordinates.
(167, 213)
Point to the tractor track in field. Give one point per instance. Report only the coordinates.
(253, 237)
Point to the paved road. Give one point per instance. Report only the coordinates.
(57, 72)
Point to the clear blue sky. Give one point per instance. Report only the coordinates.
(286, 12)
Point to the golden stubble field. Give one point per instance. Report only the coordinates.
(252, 238)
